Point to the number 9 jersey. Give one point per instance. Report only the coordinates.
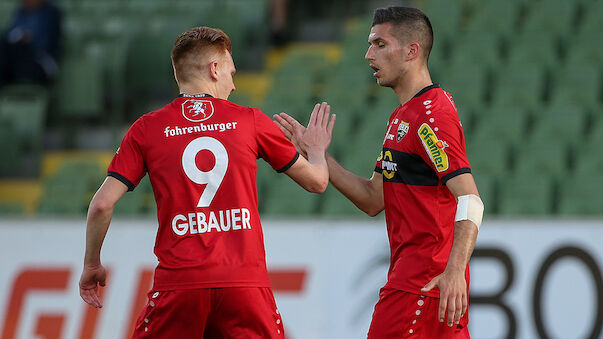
(200, 154)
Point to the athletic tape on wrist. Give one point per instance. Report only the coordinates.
(470, 207)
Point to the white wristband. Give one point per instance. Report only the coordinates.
(470, 207)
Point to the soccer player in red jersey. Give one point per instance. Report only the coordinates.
(423, 182)
(200, 152)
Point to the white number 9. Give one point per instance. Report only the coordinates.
(213, 178)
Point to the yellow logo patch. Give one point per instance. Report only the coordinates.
(433, 148)
(389, 167)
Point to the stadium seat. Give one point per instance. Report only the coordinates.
(507, 124)
(334, 204)
(11, 151)
(79, 88)
(496, 16)
(286, 198)
(25, 108)
(445, 16)
(487, 187)
(579, 83)
(520, 84)
(581, 195)
(136, 202)
(466, 82)
(476, 47)
(562, 122)
(526, 194)
(588, 157)
(554, 16)
(488, 156)
(543, 156)
(535, 47)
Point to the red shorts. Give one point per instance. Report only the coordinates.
(400, 314)
(234, 312)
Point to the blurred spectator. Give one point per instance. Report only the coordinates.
(29, 47)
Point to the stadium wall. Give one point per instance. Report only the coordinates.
(529, 279)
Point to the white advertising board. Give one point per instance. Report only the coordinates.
(529, 279)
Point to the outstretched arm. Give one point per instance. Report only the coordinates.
(366, 194)
(452, 284)
(99, 218)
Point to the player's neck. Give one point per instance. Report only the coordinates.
(197, 88)
(412, 82)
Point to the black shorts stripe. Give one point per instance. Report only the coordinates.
(123, 179)
(289, 164)
(455, 173)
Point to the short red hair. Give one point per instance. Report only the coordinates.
(192, 46)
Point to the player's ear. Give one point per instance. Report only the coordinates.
(413, 50)
(213, 70)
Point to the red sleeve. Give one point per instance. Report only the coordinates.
(128, 164)
(273, 146)
(441, 143)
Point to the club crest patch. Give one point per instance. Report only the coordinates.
(402, 130)
(434, 147)
(196, 110)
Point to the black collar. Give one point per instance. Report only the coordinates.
(202, 95)
(421, 92)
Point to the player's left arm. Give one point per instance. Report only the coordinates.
(99, 217)
(452, 284)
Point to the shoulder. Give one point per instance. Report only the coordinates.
(437, 104)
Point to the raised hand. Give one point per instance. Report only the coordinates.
(92, 276)
(317, 136)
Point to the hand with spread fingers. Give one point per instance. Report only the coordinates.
(92, 277)
(453, 295)
(316, 136)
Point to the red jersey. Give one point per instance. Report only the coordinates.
(200, 154)
(424, 147)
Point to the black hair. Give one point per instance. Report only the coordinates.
(410, 23)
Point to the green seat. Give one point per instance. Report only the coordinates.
(334, 204)
(564, 122)
(526, 195)
(502, 123)
(477, 47)
(579, 82)
(588, 159)
(64, 196)
(535, 47)
(487, 188)
(521, 84)
(555, 16)
(286, 198)
(445, 16)
(466, 82)
(24, 107)
(136, 202)
(488, 156)
(581, 195)
(547, 157)
(496, 16)
(80, 88)
(11, 151)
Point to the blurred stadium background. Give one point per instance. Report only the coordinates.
(526, 75)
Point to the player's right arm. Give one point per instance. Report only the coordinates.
(98, 220)
(366, 194)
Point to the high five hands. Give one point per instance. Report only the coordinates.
(316, 136)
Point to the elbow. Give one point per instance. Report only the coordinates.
(372, 209)
(318, 186)
(100, 207)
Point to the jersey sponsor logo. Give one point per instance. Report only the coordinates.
(402, 130)
(217, 127)
(196, 110)
(434, 147)
(388, 165)
(214, 221)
